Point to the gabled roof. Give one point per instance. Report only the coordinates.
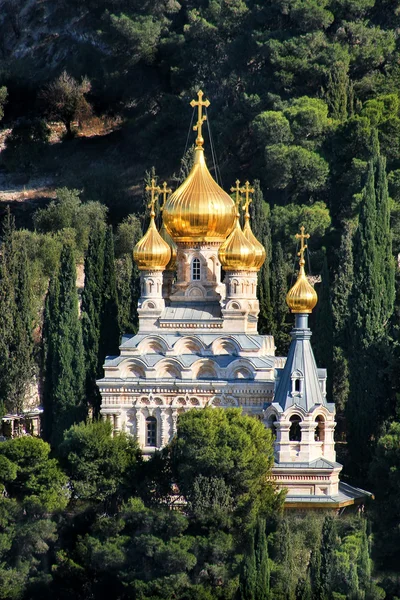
(300, 364)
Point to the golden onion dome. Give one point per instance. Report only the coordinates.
(237, 253)
(152, 253)
(259, 250)
(199, 210)
(171, 266)
(302, 297)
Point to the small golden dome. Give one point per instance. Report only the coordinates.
(171, 266)
(237, 253)
(199, 210)
(302, 297)
(259, 250)
(152, 253)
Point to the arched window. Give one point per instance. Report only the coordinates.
(151, 431)
(295, 430)
(196, 269)
(297, 385)
(319, 435)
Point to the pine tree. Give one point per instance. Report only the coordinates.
(262, 563)
(109, 318)
(315, 573)
(64, 360)
(248, 575)
(279, 290)
(323, 331)
(92, 298)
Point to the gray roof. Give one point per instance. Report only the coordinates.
(319, 463)
(347, 495)
(300, 361)
(243, 340)
(204, 311)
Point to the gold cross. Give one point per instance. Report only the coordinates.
(164, 191)
(247, 190)
(200, 117)
(153, 189)
(303, 247)
(238, 191)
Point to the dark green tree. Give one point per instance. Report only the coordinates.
(323, 330)
(262, 562)
(328, 547)
(64, 352)
(259, 212)
(16, 321)
(92, 299)
(279, 289)
(248, 574)
(109, 317)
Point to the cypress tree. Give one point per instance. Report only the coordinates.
(323, 331)
(337, 93)
(92, 298)
(65, 368)
(259, 212)
(279, 289)
(109, 317)
(22, 350)
(328, 547)
(372, 306)
(49, 342)
(315, 573)
(247, 577)
(262, 563)
(364, 560)
(384, 241)
(16, 342)
(7, 312)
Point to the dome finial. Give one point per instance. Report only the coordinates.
(200, 117)
(154, 190)
(302, 297)
(164, 191)
(247, 190)
(238, 191)
(303, 247)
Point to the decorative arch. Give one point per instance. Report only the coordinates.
(132, 369)
(188, 345)
(168, 370)
(225, 345)
(242, 373)
(152, 345)
(205, 370)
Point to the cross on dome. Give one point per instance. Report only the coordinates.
(200, 117)
(153, 189)
(238, 191)
(164, 191)
(303, 247)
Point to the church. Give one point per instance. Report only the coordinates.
(197, 344)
